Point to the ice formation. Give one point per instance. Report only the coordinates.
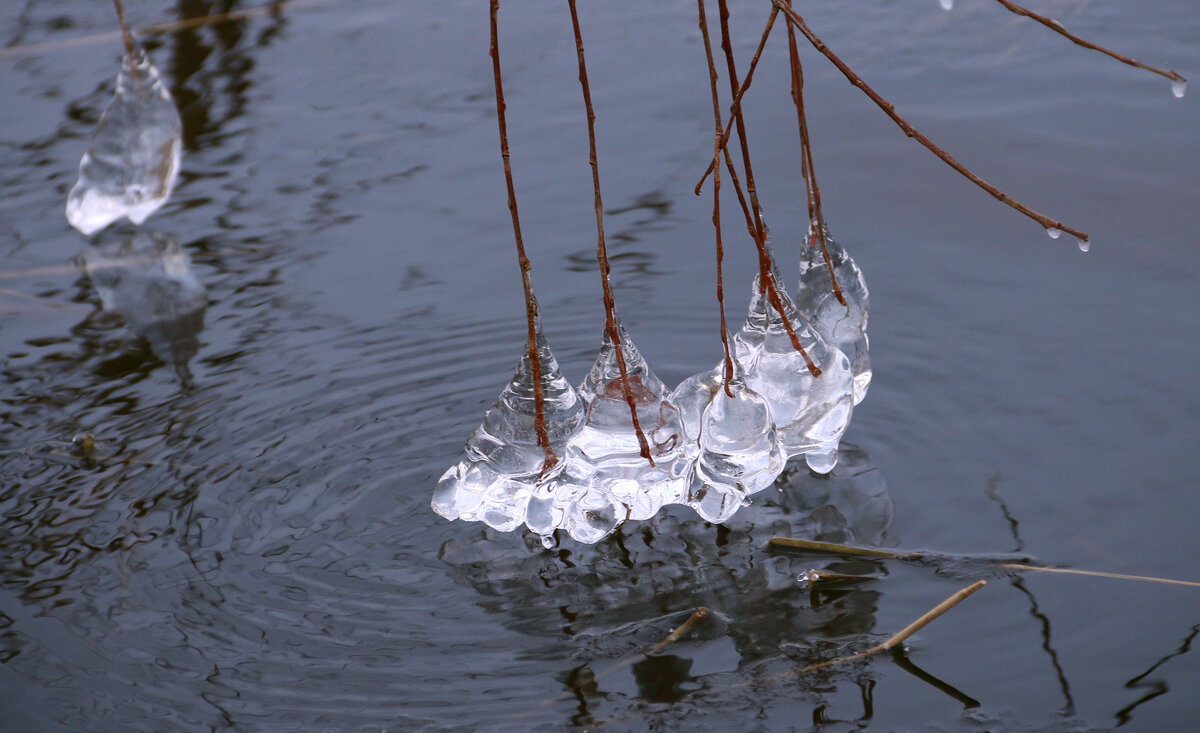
(132, 161)
(712, 445)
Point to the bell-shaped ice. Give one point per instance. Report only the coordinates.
(132, 162)
(739, 450)
(494, 482)
(691, 397)
(810, 413)
(844, 326)
(605, 479)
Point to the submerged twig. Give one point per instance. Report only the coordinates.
(610, 321)
(896, 639)
(531, 311)
(1060, 29)
(1008, 562)
(675, 635)
(890, 110)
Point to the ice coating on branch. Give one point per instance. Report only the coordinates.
(605, 479)
(739, 450)
(132, 161)
(810, 413)
(503, 463)
(843, 326)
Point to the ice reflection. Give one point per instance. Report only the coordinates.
(147, 279)
(671, 564)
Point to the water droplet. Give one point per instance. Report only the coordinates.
(1054, 232)
(947, 4)
(1084, 245)
(1179, 88)
(548, 541)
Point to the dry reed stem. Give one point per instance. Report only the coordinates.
(169, 26)
(1100, 574)
(531, 310)
(895, 640)
(1008, 563)
(1060, 29)
(716, 215)
(890, 110)
(610, 321)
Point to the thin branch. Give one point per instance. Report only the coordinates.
(1100, 574)
(610, 321)
(739, 120)
(531, 310)
(1058, 28)
(816, 218)
(736, 106)
(716, 215)
(124, 30)
(910, 131)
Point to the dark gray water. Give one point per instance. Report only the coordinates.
(250, 545)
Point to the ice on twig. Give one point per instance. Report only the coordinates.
(843, 326)
(496, 479)
(605, 479)
(132, 161)
(811, 413)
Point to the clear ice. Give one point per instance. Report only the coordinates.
(132, 161)
(739, 451)
(502, 467)
(148, 280)
(843, 326)
(605, 479)
(810, 413)
(947, 4)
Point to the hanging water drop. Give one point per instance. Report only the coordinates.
(1084, 244)
(947, 4)
(132, 161)
(1054, 232)
(1179, 88)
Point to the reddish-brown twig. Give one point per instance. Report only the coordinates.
(610, 321)
(890, 110)
(1058, 28)
(816, 219)
(124, 30)
(535, 363)
(735, 107)
(757, 230)
(716, 215)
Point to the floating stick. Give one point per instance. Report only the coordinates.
(890, 110)
(1058, 28)
(531, 309)
(610, 321)
(1007, 562)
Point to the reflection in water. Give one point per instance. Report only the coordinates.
(147, 279)
(674, 563)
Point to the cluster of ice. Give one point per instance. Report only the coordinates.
(132, 162)
(713, 443)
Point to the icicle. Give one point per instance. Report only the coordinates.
(132, 162)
